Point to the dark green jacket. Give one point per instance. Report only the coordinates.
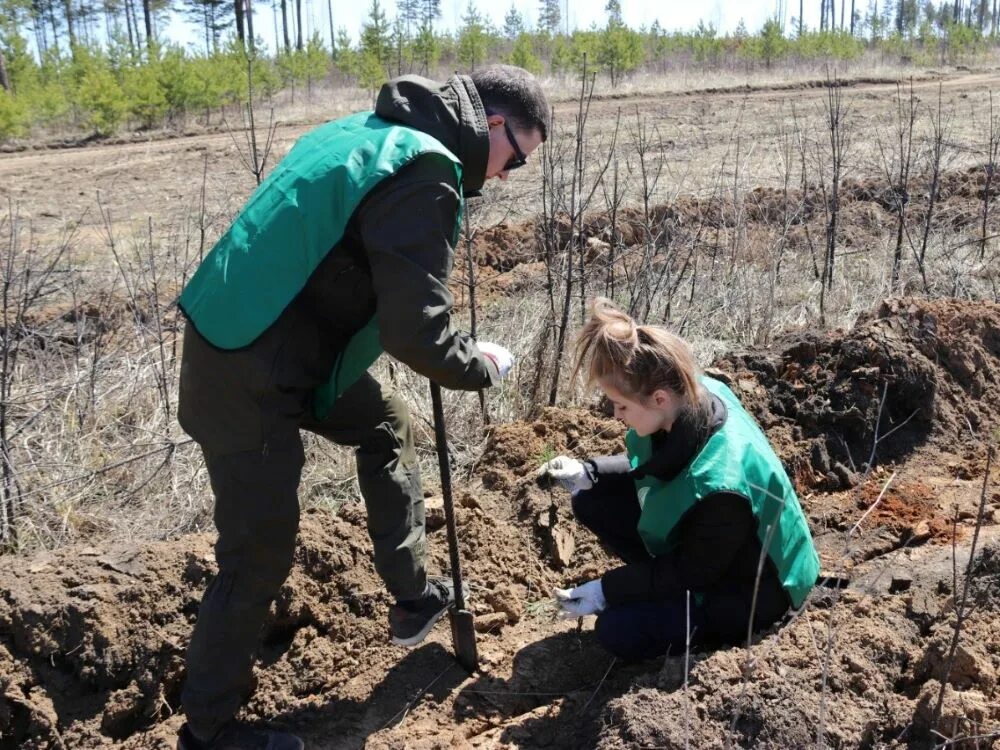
(393, 262)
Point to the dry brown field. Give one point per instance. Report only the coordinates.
(703, 204)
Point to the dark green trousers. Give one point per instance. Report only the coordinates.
(246, 409)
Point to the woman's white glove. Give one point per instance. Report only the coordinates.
(501, 357)
(570, 473)
(586, 599)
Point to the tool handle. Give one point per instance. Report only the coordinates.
(482, 407)
(441, 438)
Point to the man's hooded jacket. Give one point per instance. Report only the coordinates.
(389, 267)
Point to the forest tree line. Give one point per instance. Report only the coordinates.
(101, 65)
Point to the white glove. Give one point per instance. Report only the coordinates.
(501, 357)
(587, 599)
(569, 472)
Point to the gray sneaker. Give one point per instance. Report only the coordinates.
(411, 621)
(237, 735)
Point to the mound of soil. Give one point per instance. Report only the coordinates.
(913, 373)
(876, 686)
(509, 257)
(504, 246)
(517, 449)
(92, 640)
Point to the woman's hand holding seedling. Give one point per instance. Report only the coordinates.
(572, 474)
(586, 599)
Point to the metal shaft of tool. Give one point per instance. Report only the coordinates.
(441, 438)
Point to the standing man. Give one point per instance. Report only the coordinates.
(344, 251)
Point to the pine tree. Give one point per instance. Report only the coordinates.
(523, 55)
(549, 16)
(399, 39)
(472, 37)
(407, 19)
(238, 10)
(345, 58)
(614, 11)
(426, 47)
(298, 25)
(376, 42)
(430, 11)
(316, 64)
(409, 12)
(213, 16)
(147, 18)
(69, 13)
(513, 23)
(10, 22)
(771, 43)
(333, 34)
(620, 49)
(284, 26)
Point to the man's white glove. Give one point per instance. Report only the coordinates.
(570, 473)
(587, 599)
(501, 357)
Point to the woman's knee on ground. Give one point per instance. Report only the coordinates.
(621, 641)
(641, 631)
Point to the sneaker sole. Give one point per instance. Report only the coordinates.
(413, 640)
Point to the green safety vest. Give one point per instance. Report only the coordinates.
(289, 225)
(738, 459)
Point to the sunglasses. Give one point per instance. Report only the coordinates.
(519, 159)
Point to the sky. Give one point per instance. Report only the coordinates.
(673, 15)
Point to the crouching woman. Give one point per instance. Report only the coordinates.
(699, 507)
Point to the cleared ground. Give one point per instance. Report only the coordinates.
(884, 425)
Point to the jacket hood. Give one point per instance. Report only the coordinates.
(451, 111)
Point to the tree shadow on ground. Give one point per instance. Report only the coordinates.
(427, 674)
(558, 687)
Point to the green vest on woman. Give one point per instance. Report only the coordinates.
(736, 459)
(290, 224)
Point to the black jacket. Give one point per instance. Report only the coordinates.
(718, 552)
(393, 261)
(397, 251)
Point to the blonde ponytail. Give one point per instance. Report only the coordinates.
(637, 360)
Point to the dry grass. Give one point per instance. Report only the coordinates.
(93, 390)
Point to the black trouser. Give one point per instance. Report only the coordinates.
(256, 501)
(640, 630)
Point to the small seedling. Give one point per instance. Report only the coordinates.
(545, 481)
(542, 609)
(547, 454)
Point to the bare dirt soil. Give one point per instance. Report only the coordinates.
(195, 183)
(882, 427)
(92, 639)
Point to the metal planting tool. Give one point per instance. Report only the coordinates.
(463, 631)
